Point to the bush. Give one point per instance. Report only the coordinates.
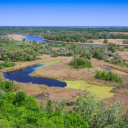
(100, 114)
(20, 96)
(111, 47)
(6, 64)
(117, 59)
(6, 86)
(125, 41)
(80, 63)
(105, 41)
(108, 76)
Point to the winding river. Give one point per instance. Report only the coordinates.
(40, 39)
(24, 77)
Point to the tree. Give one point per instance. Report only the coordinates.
(105, 41)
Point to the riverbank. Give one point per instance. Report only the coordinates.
(79, 81)
(16, 37)
(52, 93)
(95, 42)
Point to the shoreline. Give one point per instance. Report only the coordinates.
(20, 38)
(16, 37)
(85, 43)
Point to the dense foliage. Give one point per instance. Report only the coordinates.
(18, 110)
(6, 64)
(80, 63)
(18, 51)
(69, 34)
(109, 76)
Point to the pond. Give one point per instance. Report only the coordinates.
(24, 77)
(107, 69)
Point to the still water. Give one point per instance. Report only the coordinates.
(40, 39)
(22, 76)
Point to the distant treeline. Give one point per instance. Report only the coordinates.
(69, 34)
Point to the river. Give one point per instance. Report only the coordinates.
(24, 77)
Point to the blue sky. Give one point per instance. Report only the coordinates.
(64, 12)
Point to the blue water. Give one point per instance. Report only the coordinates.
(6, 37)
(107, 69)
(22, 76)
(40, 39)
(32, 38)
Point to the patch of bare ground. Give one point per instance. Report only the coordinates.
(16, 37)
(121, 90)
(114, 41)
(63, 71)
(30, 89)
(57, 93)
(53, 93)
(121, 98)
(123, 54)
(95, 41)
(119, 32)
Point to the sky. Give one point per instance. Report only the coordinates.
(63, 12)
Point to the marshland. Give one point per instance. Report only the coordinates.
(44, 68)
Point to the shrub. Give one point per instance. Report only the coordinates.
(99, 114)
(6, 86)
(117, 59)
(108, 76)
(20, 96)
(125, 41)
(111, 47)
(80, 63)
(6, 64)
(105, 41)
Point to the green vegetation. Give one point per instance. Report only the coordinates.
(7, 86)
(105, 41)
(109, 76)
(49, 63)
(102, 92)
(117, 60)
(80, 63)
(111, 47)
(125, 41)
(69, 34)
(18, 51)
(6, 64)
(18, 110)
